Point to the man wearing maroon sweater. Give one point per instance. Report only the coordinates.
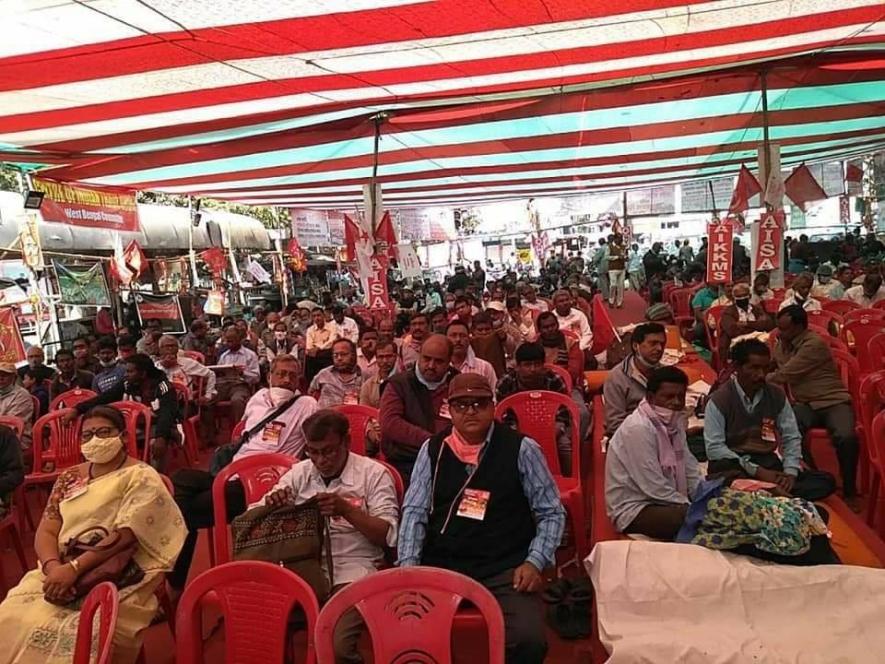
(413, 404)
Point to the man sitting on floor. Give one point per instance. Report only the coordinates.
(805, 365)
(745, 423)
(483, 503)
(650, 474)
(627, 384)
(273, 423)
(358, 496)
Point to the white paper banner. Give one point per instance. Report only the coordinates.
(409, 264)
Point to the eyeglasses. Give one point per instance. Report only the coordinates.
(100, 432)
(463, 405)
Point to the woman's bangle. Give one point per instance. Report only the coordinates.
(44, 563)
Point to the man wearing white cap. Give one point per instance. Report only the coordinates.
(16, 401)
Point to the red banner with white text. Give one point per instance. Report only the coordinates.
(11, 347)
(720, 252)
(90, 207)
(376, 283)
(769, 245)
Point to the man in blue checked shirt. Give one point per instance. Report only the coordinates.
(482, 502)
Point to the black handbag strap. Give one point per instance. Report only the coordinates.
(274, 414)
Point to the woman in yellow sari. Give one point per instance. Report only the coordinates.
(111, 490)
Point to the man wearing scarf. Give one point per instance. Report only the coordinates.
(650, 474)
(483, 503)
(741, 318)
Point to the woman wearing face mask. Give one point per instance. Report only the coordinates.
(650, 474)
(741, 318)
(127, 498)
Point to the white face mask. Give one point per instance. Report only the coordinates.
(279, 336)
(280, 394)
(101, 450)
(665, 414)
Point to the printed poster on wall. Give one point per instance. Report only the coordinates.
(82, 285)
(164, 308)
(11, 347)
(311, 227)
(89, 207)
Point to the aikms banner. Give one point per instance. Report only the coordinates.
(82, 285)
(90, 207)
(11, 347)
(164, 308)
(720, 253)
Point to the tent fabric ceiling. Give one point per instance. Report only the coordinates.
(483, 99)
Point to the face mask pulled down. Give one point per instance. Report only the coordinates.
(101, 450)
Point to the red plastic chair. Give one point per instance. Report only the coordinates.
(858, 314)
(194, 355)
(104, 599)
(563, 373)
(879, 305)
(13, 525)
(772, 305)
(71, 398)
(398, 484)
(238, 430)
(409, 613)
(37, 410)
(712, 316)
(841, 307)
(876, 351)
(136, 414)
(857, 335)
(871, 401)
(189, 424)
(535, 413)
(359, 417)
(258, 474)
(878, 439)
(55, 442)
(825, 319)
(17, 425)
(255, 599)
(680, 302)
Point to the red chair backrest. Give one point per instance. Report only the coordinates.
(849, 371)
(17, 424)
(409, 612)
(779, 292)
(878, 438)
(183, 397)
(871, 400)
(71, 398)
(104, 599)
(238, 430)
(195, 355)
(680, 301)
(535, 413)
(359, 417)
(772, 305)
(823, 318)
(563, 373)
(712, 316)
(857, 334)
(860, 314)
(136, 414)
(398, 483)
(879, 305)
(56, 441)
(571, 335)
(258, 474)
(876, 351)
(840, 307)
(255, 599)
(36, 403)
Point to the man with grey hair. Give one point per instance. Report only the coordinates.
(200, 380)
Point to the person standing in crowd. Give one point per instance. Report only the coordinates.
(273, 422)
(572, 319)
(318, 344)
(144, 384)
(411, 346)
(197, 378)
(414, 406)
(800, 294)
(483, 503)
(479, 276)
(83, 357)
(748, 421)
(653, 262)
(16, 401)
(627, 384)
(459, 280)
(125, 347)
(599, 262)
(741, 318)
(805, 365)
(344, 327)
(868, 293)
(761, 290)
(650, 474)
(686, 253)
(385, 367)
(36, 363)
(113, 371)
(635, 271)
(198, 340)
(617, 262)
(236, 385)
(68, 377)
(358, 496)
(339, 384)
(153, 330)
(464, 359)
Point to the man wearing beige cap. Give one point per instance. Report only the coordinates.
(740, 318)
(16, 401)
(482, 502)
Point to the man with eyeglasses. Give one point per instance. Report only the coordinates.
(482, 502)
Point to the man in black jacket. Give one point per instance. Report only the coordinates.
(12, 472)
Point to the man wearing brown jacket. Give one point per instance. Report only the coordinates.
(741, 318)
(805, 365)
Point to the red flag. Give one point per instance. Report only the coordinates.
(853, 172)
(296, 254)
(802, 188)
(216, 259)
(747, 186)
(603, 329)
(385, 234)
(352, 233)
(134, 258)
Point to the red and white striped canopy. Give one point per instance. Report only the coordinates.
(271, 101)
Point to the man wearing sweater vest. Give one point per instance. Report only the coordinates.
(482, 502)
